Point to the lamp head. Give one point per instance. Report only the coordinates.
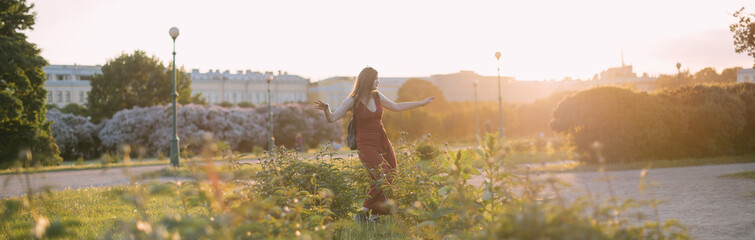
(678, 65)
(497, 55)
(475, 83)
(269, 78)
(173, 32)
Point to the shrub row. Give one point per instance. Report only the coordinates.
(148, 130)
(696, 121)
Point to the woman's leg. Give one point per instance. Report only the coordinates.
(372, 159)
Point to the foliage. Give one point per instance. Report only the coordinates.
(246, 105)
(136, 80)
(698, 121)
(744, 32)
(456, 121)
(23, 125)
(426, 151)
(242, 129)
(430, 200)
(683, 78)
(729, 75)
(533, 118)
(415, 89)
(324, 175)
(225, 104)
(75, 109)
(75, 135)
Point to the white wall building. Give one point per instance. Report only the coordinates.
(335, 89)
(69, 83)
(248, 86)
(746, 75)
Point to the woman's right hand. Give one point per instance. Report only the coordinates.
(320, 105)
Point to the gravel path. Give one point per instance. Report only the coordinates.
(61, 180)
(710, 207)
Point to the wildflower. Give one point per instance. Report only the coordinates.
(144, 227)
(41, 227)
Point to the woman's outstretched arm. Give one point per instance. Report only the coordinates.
(338, 113)
(403, 106)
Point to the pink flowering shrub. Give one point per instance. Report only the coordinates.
(75, 135)
(241, 128)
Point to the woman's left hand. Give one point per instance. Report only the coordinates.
(428, 100)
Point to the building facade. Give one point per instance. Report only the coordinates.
(68, 84)
(248, 86)
(331, 90)
(746, 75)
(336, 89)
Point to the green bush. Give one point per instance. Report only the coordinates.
(426, 151)
(287, 171)
(226, 104)
(246, 105)
(696, 121)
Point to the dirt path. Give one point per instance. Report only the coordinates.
(709, 206)
(61, 180)
(13, 184)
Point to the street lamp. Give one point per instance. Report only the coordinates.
(679, 74)
(174, 141)
(500, 100)
(269, 79)
(476, 115)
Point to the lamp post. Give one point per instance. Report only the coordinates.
(679, 74)
(476, 115)
(500, 100)
(269, 79)
(174, 141)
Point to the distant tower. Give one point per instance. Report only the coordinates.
(622, 55)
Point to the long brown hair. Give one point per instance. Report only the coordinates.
(363, 86)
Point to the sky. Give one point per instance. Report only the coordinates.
(538, 40)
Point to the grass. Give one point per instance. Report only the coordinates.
(686, 162)
(97, 163)
(538, 157)
(745, 175)
(91, 164)
(89, 212)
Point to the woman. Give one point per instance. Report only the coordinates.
(375, 151)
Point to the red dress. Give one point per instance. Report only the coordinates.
(374, 149)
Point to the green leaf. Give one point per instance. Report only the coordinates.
(445, 190)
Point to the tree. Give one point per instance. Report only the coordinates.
(744, 33)
(416, 89)
(707, 75)
(136, 80)
(674, 80)
(729, 75)
(75, 109)
(23, 125)
(417, 122)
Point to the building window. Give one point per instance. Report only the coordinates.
(82, 98)
(61, 77)
(49, 96)
(68, 96)
(85, 77)
(747, 78)
(60, 96)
